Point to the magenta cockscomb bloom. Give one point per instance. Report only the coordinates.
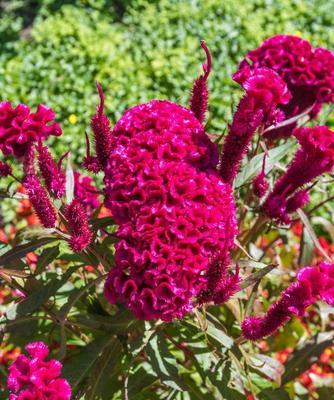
(200, 93)
(81, 235)
(100, 125)
(174, 211)
(264, 91)
(51, 172)
(312, 283)
(85, 191)
(312, 159)
(40, 201)
(5, 169)
(308, 72)
(32, 377)
(19, 127)
(260, 185)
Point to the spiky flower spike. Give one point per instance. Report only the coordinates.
(40, 201)
(312, 283)
(312, 159)
(260, 185)
(264, 91)
(5, 169)
(100, 125)
(81, 235)
(52, 174)
(200, 94)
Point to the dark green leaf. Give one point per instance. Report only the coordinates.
(256, 276)
(48, 255)
(274, 394)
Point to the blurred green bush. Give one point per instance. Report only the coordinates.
(52, 51)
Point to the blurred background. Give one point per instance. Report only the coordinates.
(52, 51)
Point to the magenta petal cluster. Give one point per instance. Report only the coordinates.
(52, 174)
(32, 377)
(174, 212)
(19, 127)
(81, 235)
(265, 90)
(308, 72)
(5, 169)
(40, 201)
(312, 283)
(312, 159)
(85, 191)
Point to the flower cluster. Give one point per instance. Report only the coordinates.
(175, 213)
(81, 235)
(308, 72)
(19, 127)
(312, 283)
(85, 191)
(35, 378)
(312, 159)
(265, 90)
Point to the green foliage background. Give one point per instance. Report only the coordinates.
(52, 51)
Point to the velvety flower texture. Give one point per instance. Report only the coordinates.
(264, 91)
(81, 235)
(85, 191)
(174, 212)
(40, 201)
(308, 72)
(312, 159)
(19, 127)
(5, 169)
(312, 283)
(52, 174)
(34, 378)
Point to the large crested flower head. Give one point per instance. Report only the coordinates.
(33, 377)
(174, 211)
(308, 72)
(317, 141)
(19, 127)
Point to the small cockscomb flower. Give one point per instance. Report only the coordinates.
(100, 125)
(264, 91)
(51, 172)
(174, 212)
(5, 169)
(308, 72)
(81, 235)
(314, 158)
(32, 377)
(85, 191)
(19, 127)
(260, 185)
(200, 94)
(40, 201)
(312, 283)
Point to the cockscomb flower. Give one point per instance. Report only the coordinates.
(5, 169)
(81, 235)
(19, 127)
(85, 191)
(102, 131)
(264, 91)
(32, 377)
(312, 159)
(200, 94)
(308, 72)
(260, 185)
(51, 172)
(174, 212)
(40, 201)
(312, 283)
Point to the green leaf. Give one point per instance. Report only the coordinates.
(22, 250)
(164, 363)
(48, 255)
(255, 164)
(305, 355)
(33, 302)
(268, 366)
(256, 276)
(80, 366)
(274, 394)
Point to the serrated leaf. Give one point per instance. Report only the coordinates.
(250, 170)
(305, 355)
